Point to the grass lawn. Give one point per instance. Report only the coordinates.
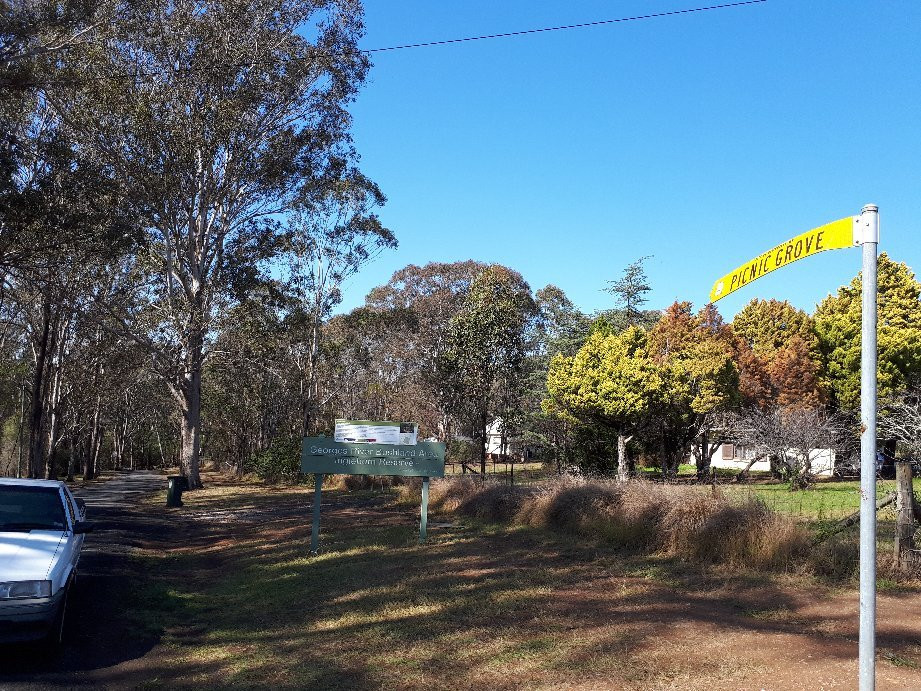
(823, 501)
(236, 600)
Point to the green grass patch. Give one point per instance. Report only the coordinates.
(823, 501)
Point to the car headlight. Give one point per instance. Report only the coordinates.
(17, 589)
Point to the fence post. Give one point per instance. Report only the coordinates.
(904, 554)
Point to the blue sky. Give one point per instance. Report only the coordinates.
(701, 139)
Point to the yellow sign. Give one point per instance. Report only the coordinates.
(832, 236)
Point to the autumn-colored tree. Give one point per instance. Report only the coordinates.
(794, 376)
(700, 380)
(778, 355)
(838, 323)
(755, 387)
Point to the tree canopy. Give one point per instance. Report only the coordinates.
(837, 323)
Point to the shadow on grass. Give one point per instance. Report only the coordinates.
(226, 592)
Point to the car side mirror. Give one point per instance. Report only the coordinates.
(83, 527)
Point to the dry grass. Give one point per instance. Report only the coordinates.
(680, 521)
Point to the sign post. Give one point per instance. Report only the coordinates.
(424, 511)
(846, 232)
(322, 455)
(315, 531)
(866, 232)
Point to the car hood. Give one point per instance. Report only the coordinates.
(28, 556)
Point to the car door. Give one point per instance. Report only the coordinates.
(73, 543)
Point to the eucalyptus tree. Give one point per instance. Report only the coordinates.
(430, 295)
(482, 365)
(217, 117)
(369, 369)
(332, 234)
(35, 38)
(250, 387)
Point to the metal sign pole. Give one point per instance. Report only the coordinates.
(424, 511)
(315, 532)
(867, 234)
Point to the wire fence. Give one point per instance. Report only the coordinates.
(824, 501)
(507, 472)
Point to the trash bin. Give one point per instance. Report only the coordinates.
(176, 485)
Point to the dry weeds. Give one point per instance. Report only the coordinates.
(687, 522)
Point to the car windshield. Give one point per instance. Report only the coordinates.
(31, 508)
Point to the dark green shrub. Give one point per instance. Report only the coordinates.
(281, 462)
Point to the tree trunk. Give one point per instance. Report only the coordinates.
(663, 456)
(191, 431)
(22, 419)
(623, 470)
(742, 474)
(37, 408)
(905, 556)
(54, 382)
(309, 386)
(483, 445)
(160, 447)
(190, 390)
(71, 460)
(704, 457)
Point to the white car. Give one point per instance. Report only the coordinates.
(41, 533)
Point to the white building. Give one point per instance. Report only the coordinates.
(738, 456)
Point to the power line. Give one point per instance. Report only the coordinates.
(602, 22)
(142, 75)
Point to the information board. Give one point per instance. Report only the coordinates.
(325, 455)
(376, 432)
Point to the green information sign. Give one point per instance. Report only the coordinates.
(324, 455)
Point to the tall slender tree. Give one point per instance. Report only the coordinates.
(217, 117)
(486, 347)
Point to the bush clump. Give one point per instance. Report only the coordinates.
(687, 522)
(281, 462)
